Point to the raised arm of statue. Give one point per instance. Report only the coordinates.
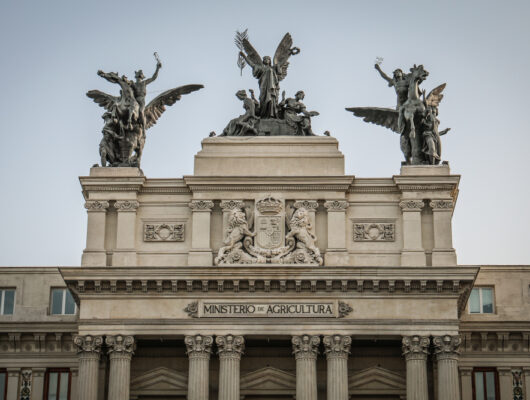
(247, 59)
(384, 76)
(155, 75)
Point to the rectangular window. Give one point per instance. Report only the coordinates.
(62, 302)
(481, 301)
(3, 384)
(7, 301)
(58, 382)
(485, 384)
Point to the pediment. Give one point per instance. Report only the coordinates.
(268, 379)
(376, 380)
(159, 381)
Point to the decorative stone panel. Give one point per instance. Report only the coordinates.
(94, 205)
(164, 232)
(25, 385)
(126, 205)
(374, 231)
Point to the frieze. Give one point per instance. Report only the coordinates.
(373, 232)
(164, 232)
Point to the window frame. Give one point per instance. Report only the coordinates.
(495, 375)
(47, 382)
(63, 301)
(481, 305)
(4, 371)
(2, 299)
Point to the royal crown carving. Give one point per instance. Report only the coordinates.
(269, 205)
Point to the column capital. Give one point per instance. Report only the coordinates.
(198, 346)
(465, 371)
(230, 346)
(201, 205)
(309, 205)
(442, 205)
(337, 346)
(504, 371)
(37, 372)
(336, 205)
(415, 347)
(305, 346)
(126, 205)
(228, 205)
(411, 205)
(88, 344)
(96, 205)
(447, 346)
(120, 345)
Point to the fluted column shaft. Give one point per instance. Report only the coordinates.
(89, 351)
(337, 351)
(199, 349)
(305, 350)
(230, 350)
(415, 350)
(446, 350)
(120, 349)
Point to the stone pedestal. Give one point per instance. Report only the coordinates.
(337, 351)
(446, 350)
(89, 351)
(94, 254)
(230, 350)
(443, 253)
(200, 253)
(336, 253)
(198, 349)
(125, 252)
(269, 156)
(120, 350)
(305, 349)
(415, 350)
(412, 254)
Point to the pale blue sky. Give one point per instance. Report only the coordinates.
(50, 131)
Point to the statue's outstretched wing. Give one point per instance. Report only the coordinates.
(157, 106)
(252, 54)
(435, 96)
(102, 99)
(386, 117)
(282, 55)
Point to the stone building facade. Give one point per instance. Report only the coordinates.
(267, 274)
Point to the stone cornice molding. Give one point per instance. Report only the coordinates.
(309, 205)
(95, 205)
(126, 205)
(201, 205)
(228, 205)
(337, 346)
(88, 344)
(411, 205)
(230, 346)
(442, 205)
(447, 346)
(198, 346)
(120, 345)
(305, 346)
(415, 347)
(336, 205)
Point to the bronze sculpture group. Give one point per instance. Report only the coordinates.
(127, 117)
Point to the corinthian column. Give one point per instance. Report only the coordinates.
(230, 350)
(337, 348)
(415, 350)
(120, 349)
(198, 348)
(446, 350)
(305, 349)
(88, 351)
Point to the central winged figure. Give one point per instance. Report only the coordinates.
(269, 74)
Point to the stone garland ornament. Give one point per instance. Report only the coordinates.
(127, 118)
(415, 118)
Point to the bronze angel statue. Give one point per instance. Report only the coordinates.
(415, 117)
(268, 73)
(127, 117)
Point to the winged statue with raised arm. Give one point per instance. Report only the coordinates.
(414, 118)
(127, 118)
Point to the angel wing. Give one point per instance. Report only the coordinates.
(386, 117)
(157, 106)
(102, 99)
(282, 55)
(252, 54)
(435, 96)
